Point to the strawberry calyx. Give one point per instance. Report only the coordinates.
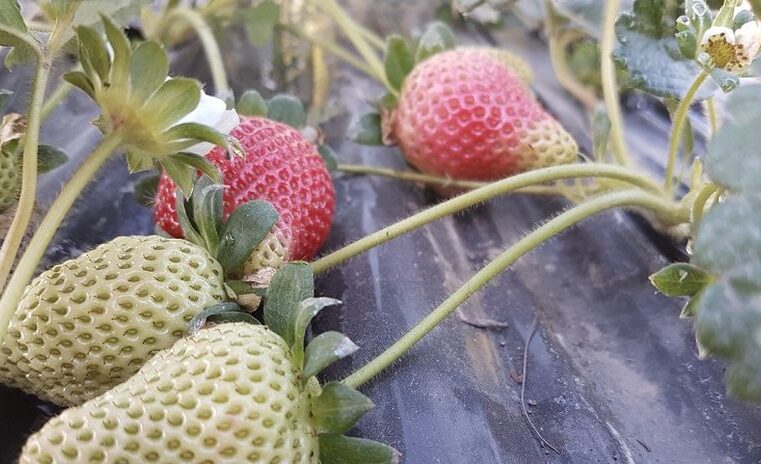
(139, 101)
(231, 241)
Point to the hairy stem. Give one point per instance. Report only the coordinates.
(713, 119)
(700, 202)
(49, 226)
(680, 117)
(609, 84)
(23, 215)
(335, 50)
(60, 93)
(481, 195)
(498, 265)
(210, 48)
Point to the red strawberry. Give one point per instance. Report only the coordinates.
(279, 166)
(464, 114)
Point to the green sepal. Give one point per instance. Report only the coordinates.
(260, 22)
(756, 6)
(287, 109)
(193, 132)
(329, 156)
(148, 69)
(291, 285)
(122, 51)
(199, 162)
(725, 16)
(388, 101)
(139, 161)
(80, 80)
(688, 43)
(186, 223)
(340, 449)
(307, 310)
(144, 190)
(240, 287)
(93, 55)
(207, 211)
(726, 80)
(680, 279)
(398, 61)
(244, 231)
(324, 350)
(219, 314)
(49, 158)
(366, 130)
(437, 38)
(181, 174)
(338, 408)
(252, 103)
(173, 100)
(741, 18)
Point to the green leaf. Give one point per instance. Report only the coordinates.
(366, 130)
(399, 60)
(198, 162)
(587, 14)
(324, 350)
(650, 54)
(287, 109)
(329, 156)
(5, 96)
(144, 191)
(690, 309)
(292, 284)
(13, 32)
(339, 449)
(148, 69)
(680, 279)
(173, 100)
(50, 158)
(307, 310)
(196, 132)
(207, 211)
(436, 38)
(260, 22)
(80, 80)
(218, 314)
(251, 103)
(338, 408)
(182, 174)
(120, 11)
(688, 44)
(244, 230)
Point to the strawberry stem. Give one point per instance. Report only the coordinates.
(49, 226)
(680, 118)
(61, 92)
(609, 84)
(630, 198)
(23, 215)
(210, 48)
(713, 119)
(483, 194)
(436, 180)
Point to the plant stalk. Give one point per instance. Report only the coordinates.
(609, 84)
(481, 195)
(632, 198)
(680, 117)
(25, 208)
(49, 226)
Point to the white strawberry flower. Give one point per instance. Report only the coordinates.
(211, 111)
(718, 33)
(748, 42)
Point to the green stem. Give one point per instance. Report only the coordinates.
(359, 41)
(713, 119)
(680, 117)
(631, 198)
(49, 225)
(436, 180)
(481, 195)
(372, 39)
(60, 93)
(210, 47)
(609, 84)
(25, 208)
(334, 49)
(699, 204)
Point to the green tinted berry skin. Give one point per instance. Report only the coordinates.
(10, 179)
(228, 394)
(90, 323)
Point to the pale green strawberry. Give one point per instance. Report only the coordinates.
(90, 323)
(228, 394)
(10, 179)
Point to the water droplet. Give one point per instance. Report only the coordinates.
(699, 8)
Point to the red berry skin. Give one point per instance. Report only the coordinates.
(465, 115)
(279, 166)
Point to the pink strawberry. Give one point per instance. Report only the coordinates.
(464, 114)
(279, 166)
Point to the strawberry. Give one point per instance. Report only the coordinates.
(89, 323)
(464, 114)
(234, 392)
(512, 62)
(10, 179)
(280, 166)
